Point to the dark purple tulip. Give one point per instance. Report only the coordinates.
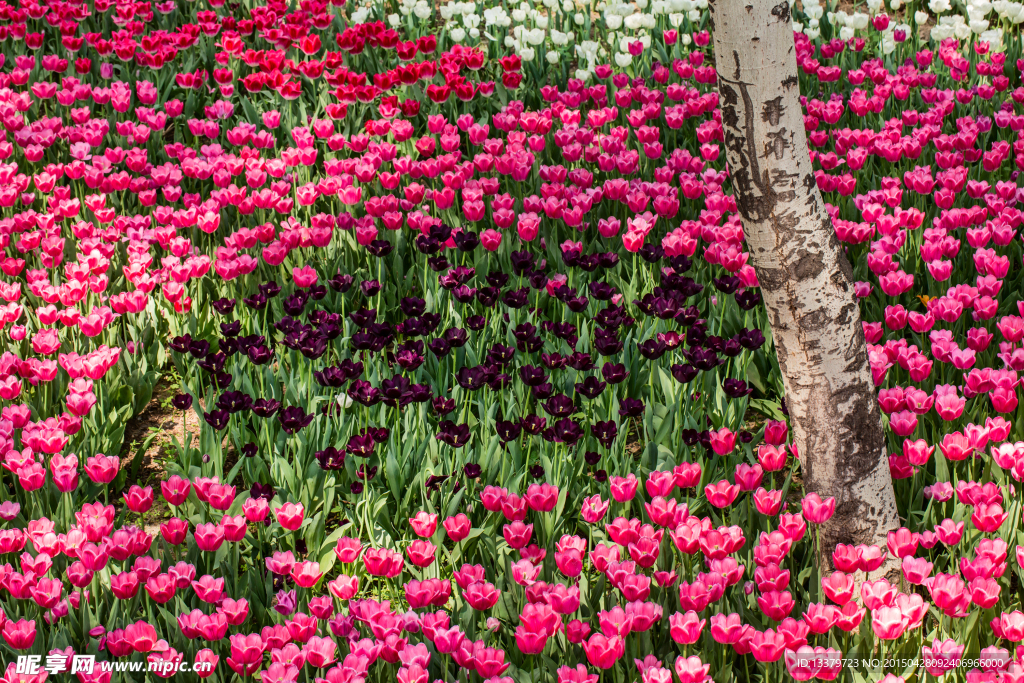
(559, 406)
(500, 354)
(331, 458)
(313, 346)
(553, 361)
(748, 299)
(651, 252)
(614, 373)
(736, 388)
(294, 304)
(259, 355)
(439, 347)
(684, 373)
(601, 291)
(356, 488)
(524, 331)
(452, 434)
(293, 418)
(681, 263)
(412, 306)
(199, 348)
(221, 380)
(732, 348)
(607, 343)
(727, 285)
(696, 334)
(257, 301)
(542, 391)
(434, 481)
(218, 419)
(704, 359)
(441, 232)
(380, 248)
(608, 259)
(611, 317)
(652, 349)
(361, 445)
(270, 289)
(465, 294)
(577, 304)
(427, 245)
(751, 339)
(182, 401)
(265, 407)
(442, 406)
(363, 317)
(476, 322)
(317, 292)
(522, 262)
(499, 381)
(231, 329)
(600, 476)
(249, 450)
(410, 355)
(566, 331)
(580, 362)
(394, 390)
(590, 388)
(341, 283)
(690, 437)
(487, 296)
(456, 337)
(364, 393)
(567, 431)
(592, 458)
(631, 407)
(605, 432)
(370, 288)
(181, 344)
(421, 393)
(352, 370)
(234, 401)
(537, 472)
(438, 263)
(466, 240)
(532, 376)
(330, 377)
(213, 362)
(534, 424)
(705, 439)
(224, 306)
(265, 491)
(538, 280)
(497, 279)
(508, 430)
(471, 470)
(473, 378)
(366, 473)
(516, 298)
(746, 437)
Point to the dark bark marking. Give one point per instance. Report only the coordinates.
(772, 111)
(809, 266)
(781, 12)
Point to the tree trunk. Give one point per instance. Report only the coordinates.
(806, 280)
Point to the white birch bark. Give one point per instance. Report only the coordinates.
(806, 280)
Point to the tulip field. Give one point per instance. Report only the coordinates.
(454, 302)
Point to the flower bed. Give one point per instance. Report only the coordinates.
(484, 383)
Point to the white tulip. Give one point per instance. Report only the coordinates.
(623, 59)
